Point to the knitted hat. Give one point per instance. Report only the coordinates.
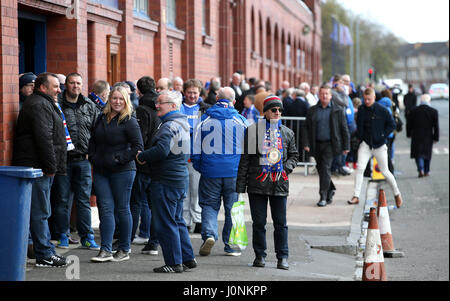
(26, 79)
(272, 101)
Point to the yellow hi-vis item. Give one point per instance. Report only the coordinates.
(376, 173)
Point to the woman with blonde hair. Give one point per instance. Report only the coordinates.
(115, 141)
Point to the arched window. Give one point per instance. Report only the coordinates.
(268, 40)
(252, 32)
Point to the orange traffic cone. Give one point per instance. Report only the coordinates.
(373, 269)
(385, 228)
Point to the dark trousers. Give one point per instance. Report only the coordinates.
(258, 209)
(324, 158)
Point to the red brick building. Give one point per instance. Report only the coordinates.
(119, 40)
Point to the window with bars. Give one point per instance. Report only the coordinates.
(140, 8)
(171, 15)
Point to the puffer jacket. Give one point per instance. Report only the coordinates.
(250, 167)
(80, 119)
(169, 151)
(113, 146)
(40, 138)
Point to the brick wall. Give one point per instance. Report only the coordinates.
(9, 81)
(148, 47)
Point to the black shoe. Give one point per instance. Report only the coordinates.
(178, 268)
(115, 246)
(198, 228)
(259, 262)
(53, 261)
(322, 203)
(188, 265)
(30, 252)
(330, 196)
(283, 264)
(150, 249)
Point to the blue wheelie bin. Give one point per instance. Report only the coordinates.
(15, 204)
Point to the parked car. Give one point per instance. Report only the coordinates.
(438, 91)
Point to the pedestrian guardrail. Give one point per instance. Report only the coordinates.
(294, 123)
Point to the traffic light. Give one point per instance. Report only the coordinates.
(370, 73)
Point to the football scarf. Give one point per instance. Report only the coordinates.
(271, 158)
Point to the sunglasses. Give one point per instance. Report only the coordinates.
(274, 110)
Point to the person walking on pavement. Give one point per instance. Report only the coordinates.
(140, 203)
(410, 100)
(423, 128)
(326, 135)
(115, 141)
(167, 158)
(80, 115)
(270, 155)
(40, 142)
(193, 108)
(218, 167)
(374, 124)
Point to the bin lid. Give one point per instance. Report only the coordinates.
(20, 172)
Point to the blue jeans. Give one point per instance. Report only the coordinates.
(171, 230)
(423, 165)
(258, 209)
(113, 193)
(211, 191)
(40, 212)
(78, 179)
(140, 204)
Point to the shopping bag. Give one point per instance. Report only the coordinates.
(238, 235)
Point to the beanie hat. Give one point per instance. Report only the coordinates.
(272, 101)
(26, 79)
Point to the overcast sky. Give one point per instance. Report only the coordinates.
(412, 20)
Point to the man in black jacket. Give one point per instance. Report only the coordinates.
(374, 124)
(410, 100)
(325, 135)
(140, 202)
(40, 142)
(80, 114)
(270, 156)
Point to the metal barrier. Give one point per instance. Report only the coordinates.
(294, 124)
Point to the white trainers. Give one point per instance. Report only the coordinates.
(139, 241)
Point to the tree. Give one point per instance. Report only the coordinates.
(378, 46)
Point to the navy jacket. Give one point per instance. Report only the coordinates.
(113, 146)
(169, 151)
(374, 125)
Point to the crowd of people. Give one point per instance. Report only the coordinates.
(161, 157)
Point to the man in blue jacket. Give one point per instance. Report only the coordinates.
(217, 151)
(167, 158)
(374, 124)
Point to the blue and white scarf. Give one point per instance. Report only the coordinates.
(98, 100)
(70, 145)
(272, 140)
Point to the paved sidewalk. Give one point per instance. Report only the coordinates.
(322, 245)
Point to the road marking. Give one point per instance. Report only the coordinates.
(436, 151)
